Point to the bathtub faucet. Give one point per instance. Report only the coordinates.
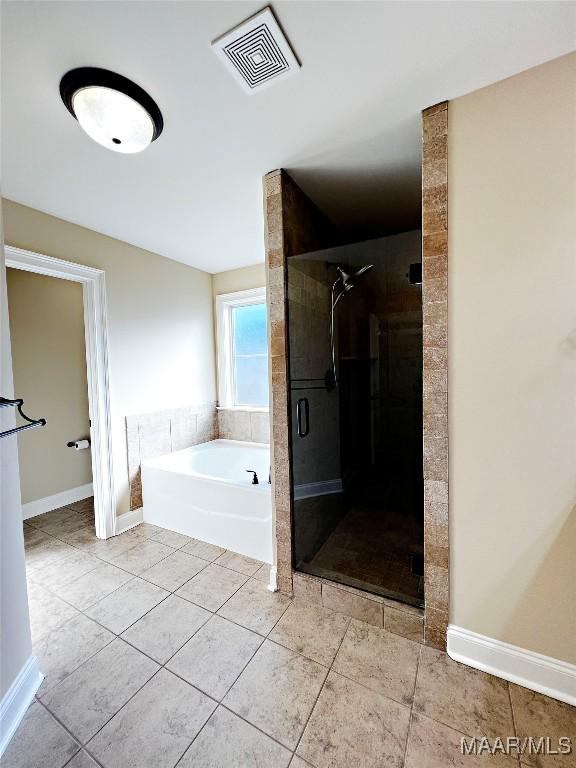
(255, 480)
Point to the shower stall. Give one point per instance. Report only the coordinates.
(355, 388)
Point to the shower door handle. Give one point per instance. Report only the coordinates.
(303, 408)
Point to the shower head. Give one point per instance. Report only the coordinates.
(349, 279)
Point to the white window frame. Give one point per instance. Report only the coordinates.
(225, 303)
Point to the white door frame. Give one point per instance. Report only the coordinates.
(96, 335)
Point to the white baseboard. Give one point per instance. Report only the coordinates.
(517, 665)
(323, 488)
(17, 700)
(48, 503)
(128, 520)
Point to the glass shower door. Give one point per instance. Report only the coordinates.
(356, 429)
(317, 485)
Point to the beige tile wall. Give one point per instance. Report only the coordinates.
(236, 424)
(154, 434)
(293, 225)
(435, 384)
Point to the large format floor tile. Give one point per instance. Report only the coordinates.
(311, 630)
(470, 701)
(39, 742)
(47, 611)
(64, 525)
(33, 537)
(83, 506)
(240, 563)
(433, 745)
(212, 587)
(171, 538)
(384, 662)
(45, 553)
(93, 586)
(82, 760)
(68, 570)
(227, 741)
(156, 726)
(174, 571)
(263, 573)
(203, 550)
(108, 549)
(297, 762)
(83, 539)
(165, 629)
(536, 715)
(255, 607)
(92, 694)
(351, 725)
(126, 605)
(65, 648)
(52, 519)
(276, 692)
(142, 556)
(215, 656)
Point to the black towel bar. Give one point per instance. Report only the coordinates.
(4, 403)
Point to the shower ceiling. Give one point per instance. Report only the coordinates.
(346, 126)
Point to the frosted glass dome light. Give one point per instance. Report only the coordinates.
(113, 111)
(113, 119)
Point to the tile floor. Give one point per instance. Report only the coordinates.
(159, 650)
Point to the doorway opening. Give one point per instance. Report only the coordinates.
(96, 358)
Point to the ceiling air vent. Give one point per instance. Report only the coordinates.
(256, 52)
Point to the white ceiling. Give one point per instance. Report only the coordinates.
(346, 126)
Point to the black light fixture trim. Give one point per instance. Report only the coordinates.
(84, 77)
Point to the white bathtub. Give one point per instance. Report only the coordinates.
(205, 492)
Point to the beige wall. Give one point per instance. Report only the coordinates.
(14, 619)
(159, 322)
(239, 279)
(512, 360)
(49, 364)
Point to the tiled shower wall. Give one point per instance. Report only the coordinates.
(292, 226)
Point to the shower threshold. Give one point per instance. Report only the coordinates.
(350, 581)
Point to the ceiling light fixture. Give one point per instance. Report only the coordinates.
(113, 110)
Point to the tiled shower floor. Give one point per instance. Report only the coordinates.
(159, 650)
(370, 549)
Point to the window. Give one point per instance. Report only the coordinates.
(242, 349)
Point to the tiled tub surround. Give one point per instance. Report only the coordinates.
(150, 435)
(160, 650)
(248, 425)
